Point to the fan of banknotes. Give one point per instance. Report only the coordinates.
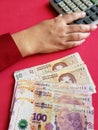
(53, 96)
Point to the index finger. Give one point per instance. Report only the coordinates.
(69, 18)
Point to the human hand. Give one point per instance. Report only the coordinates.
(53, 35)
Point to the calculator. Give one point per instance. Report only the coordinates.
(69, 6)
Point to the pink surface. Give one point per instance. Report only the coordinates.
(16, 15)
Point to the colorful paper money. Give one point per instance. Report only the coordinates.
(79, 75)
(31, 73)
(53, 96)
(42, 92)
(22, 86)
(48, 116)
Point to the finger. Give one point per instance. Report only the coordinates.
(76, 36)
(80, 28)
(74, 44)
(69, 18)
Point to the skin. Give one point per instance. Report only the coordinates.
(53, 35)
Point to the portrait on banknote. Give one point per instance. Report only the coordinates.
(59, 66)
(67, 78)
(70, 121)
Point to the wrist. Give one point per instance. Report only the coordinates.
(21, 42)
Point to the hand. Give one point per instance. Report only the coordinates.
(53, 35)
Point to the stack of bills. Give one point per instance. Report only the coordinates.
(53, 96)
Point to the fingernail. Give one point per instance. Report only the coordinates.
(83, 40)
(60, 15)
(94, 26)
(87, 34)
(83, 14)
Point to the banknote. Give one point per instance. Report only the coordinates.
(66, 87)
(26, 88)
(48, 67)
(60, 86)
(74, 74)
(79, 75)
(35, 75)
(50, 116)
(54, 95)
(58, 117)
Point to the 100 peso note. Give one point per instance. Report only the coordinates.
(50, 116)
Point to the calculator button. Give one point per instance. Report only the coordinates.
(57, 1)
(83, 7)
(67, 1)
(97, 13)
(87, 20)
(69, 11)
(61, 4)
(76, 9)
(72, 5)
(79, 3)
(94, 8)
(88, 3)
(66, 9)
(94, 17)
(84, 1)
(89, 12)
(76, 1)
(80, 21)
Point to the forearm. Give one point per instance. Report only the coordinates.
(23, 40)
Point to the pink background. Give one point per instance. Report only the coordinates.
(16, 15)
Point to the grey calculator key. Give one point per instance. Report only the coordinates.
(84, 1)
(88, 20)
(79, 3)
(80, 21)
(61, 4)
(69, 11)
(89, 12)
(89, 3)
(83, 6)
(97, 12)
(67, 1)
(76, 9)
(72, 5)
(66, 9)
(94, 17)
(76, 1)
(94, 8)
(57, 1)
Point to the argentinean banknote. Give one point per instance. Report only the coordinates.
(50, 116)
